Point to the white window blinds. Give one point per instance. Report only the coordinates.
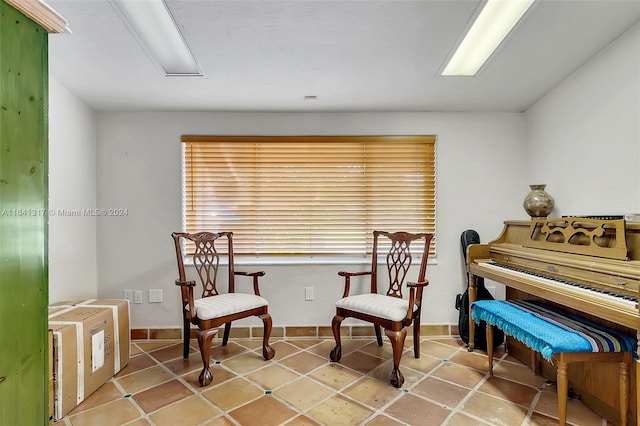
(308, 195)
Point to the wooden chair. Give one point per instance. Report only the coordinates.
(213, 309)
(388, 310)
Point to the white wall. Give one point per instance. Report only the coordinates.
(480, 183)
(72, 188)
(583, 138)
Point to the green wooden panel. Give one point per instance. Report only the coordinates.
(23, 220)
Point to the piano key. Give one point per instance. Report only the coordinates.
(578, 288)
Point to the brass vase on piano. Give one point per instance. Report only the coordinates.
(538, 203)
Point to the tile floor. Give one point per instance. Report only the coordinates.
(446, 386)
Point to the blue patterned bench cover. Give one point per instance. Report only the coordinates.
(548, 330)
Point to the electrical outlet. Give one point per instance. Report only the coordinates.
(128, 294)
(155, 295)
(308, 293)
(137, 296)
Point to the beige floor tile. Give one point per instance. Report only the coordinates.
(461, 419)
(475, 360)
(167, 353)
(304, 362)
(335, 375)
(303, 393)
(361, 362)
(284, 349)
(136, 382)
(265, 411)
(232, 393)
(139, 422)
(162, 395)
(302, 420)
(246, 362)
(458, 374)
(425, 363)
(180, 366)
(272, 377)
(114, 413)
(381, 420)
(372, 393)
(136, 363)
(415, 411)
(340, 411)
(509, 390)
(105, 394)
(517, 372)
(494, 410)
(225, 352)
(384, 351)
(323, 348)
(437, 349)
(220, 421)
(152, 345)
(445, 393)
(305, 343)
(190, 411)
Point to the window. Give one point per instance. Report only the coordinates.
(308, 195)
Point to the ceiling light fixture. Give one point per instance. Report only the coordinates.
(152, 25)
(491, 27)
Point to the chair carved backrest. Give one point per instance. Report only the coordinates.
(206, 259)
(398, 260)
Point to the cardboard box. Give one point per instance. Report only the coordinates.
(91, 343)
(120, 312)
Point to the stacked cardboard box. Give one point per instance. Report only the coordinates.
(91, 343)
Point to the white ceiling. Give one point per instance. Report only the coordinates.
(360, 55)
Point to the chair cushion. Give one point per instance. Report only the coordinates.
(392, 308)
(227, 304)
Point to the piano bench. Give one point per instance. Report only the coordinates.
(561, 338)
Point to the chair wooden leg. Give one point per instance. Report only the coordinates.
(336, 353)
(397, 344)
(490, 348)
(204, 342)
(227, 331)
(563, 390)
(376, 328)
(267, 351)
(186, 337)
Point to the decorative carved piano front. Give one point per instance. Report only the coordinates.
(590, 267)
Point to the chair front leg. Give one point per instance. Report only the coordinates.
(397, 344)
(204, 342)
(267, 351)
(336, 353)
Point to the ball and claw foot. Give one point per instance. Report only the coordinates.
(396, 379)
(205, 377)
(336, 354)
(268, 352)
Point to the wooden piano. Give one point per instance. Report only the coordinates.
(590, 267)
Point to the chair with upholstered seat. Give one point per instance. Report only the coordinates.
(213, 308)
(390, 310)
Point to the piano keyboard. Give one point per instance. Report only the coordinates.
(622, 300)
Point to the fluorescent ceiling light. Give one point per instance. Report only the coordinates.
(493, 24)
(152, 25)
